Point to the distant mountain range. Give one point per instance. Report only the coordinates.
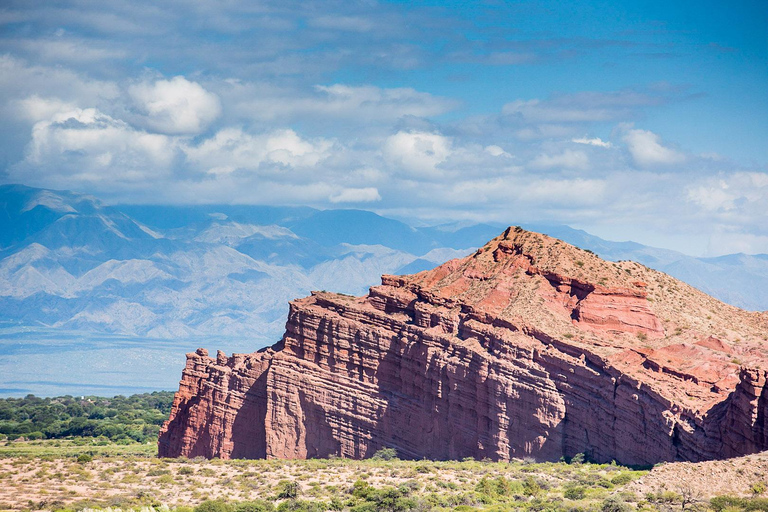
(69, 262)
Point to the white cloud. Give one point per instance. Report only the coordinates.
(88, 146)
(417, 153)
(175, 106)
(35, 108)
(356, 195)
(732, 193)
(597, 141)
(647, 151)
(231, 149)
(568, 159)
(494, 150)
(20, 80)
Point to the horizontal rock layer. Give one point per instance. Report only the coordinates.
(526, 348)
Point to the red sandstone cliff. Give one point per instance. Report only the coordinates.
(528, 347)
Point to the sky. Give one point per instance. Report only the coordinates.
(633, 120)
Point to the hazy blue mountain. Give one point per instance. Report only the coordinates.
(169, 217)
(90, 291)
(359, 227)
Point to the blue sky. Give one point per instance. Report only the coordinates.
(634, 120)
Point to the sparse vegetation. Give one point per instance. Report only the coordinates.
(381, 484)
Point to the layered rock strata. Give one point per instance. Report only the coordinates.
(528, 347)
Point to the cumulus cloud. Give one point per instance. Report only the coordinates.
(568, 159)
(646, 149)
(731, 193)
(356, 195)
(88, 146)
(417, 153)
(231, 149)
(34, 108)
(175, 106)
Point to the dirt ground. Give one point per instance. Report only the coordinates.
(739, 477)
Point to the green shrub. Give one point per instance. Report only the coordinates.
(579, 458)
(213, 506)
(719, 503)
(361, 489)
(614, 504)
(84, 458)
(576, 492)
(756, 504)
(531, 487)
(385, 454)
(622, 478)
(254, 506)
(288, 490)
(301, 506)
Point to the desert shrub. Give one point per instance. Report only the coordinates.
(575, 492)
(213, 506)
(254, 506)
(614, 504)
(622, 478)
(288, 490)
(579, 458)
(361, 489)
(301, 506)
(756, 504)
(84, 457)
(719, 503)
(531, 487)
(385, 454)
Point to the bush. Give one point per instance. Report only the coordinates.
(718, 503)
(579, 458)
(614, 504)
(288, 490)
(622, 478)
(575, 493)
(84, 458)
(385, 454)
(301, 506)
(361, 489)
(756, 504)
(531, 487)
(213, 506)
(254, 506)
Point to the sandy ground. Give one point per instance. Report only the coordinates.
(707, 479)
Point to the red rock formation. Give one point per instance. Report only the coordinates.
(529, 347)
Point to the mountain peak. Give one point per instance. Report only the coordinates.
(529, 278)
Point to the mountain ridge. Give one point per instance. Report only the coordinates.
(527, 347)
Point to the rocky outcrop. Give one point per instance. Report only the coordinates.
(529, 347)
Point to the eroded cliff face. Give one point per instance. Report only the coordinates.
(529, 347)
